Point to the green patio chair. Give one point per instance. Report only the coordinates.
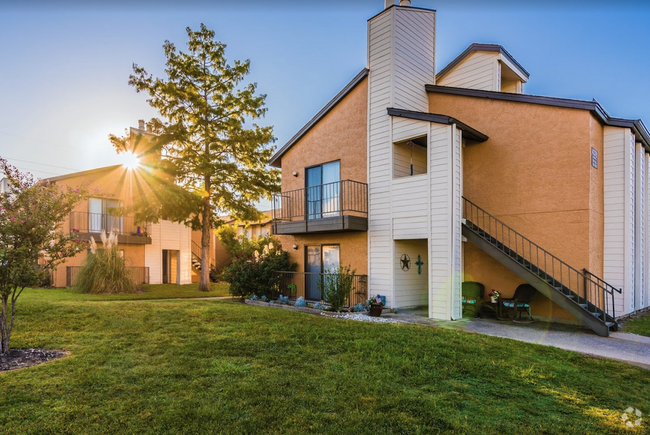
(472, 295)
(520, 302)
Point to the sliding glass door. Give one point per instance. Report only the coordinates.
(323, 190)
(319, 259)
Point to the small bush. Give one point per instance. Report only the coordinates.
(300, 302)
(253, 271)
(336, 286)
(105, 270)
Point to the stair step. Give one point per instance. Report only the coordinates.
(610, 324)
(599, 315)
(583, 306)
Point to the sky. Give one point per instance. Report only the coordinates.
(64, 65)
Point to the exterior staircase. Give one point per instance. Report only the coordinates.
(196, 257)
(585, 296)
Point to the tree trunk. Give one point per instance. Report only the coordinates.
(206, 230)
(5, 330)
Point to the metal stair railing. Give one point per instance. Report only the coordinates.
(592, 293)
(196, 254)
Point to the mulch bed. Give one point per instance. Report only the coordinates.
(21, 358)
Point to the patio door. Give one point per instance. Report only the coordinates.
(323, 190)
(320, 259)
(100, 220)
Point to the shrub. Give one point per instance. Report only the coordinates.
(336, 286)
(300, 302)
(253, 271)
(105, 270)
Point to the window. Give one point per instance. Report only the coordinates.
(410, 157)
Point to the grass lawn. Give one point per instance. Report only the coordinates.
(639, 325)
(151, 291)
(186, 367)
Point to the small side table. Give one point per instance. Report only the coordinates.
(492, 309)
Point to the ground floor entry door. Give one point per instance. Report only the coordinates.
(319, 259)
(170, 267)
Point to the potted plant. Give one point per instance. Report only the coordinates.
(375, 305)
(494, 296)
(292, 288)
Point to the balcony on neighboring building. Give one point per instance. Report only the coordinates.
(88, 225)
(340, 206)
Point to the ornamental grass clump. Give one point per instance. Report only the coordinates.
(336, 286)
(105, 269)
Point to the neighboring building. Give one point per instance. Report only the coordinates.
(253, 230)
(156, 253)
(388, 173)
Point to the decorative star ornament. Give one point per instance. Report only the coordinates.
(405, 262)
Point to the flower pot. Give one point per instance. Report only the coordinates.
(493, 300)
(375, 310)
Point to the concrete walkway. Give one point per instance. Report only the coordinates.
(620, 346)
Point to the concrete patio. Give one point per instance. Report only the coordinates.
(620, 346)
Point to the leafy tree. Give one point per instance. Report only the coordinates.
(31, 241)
(203, 139)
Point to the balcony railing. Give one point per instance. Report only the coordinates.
(307, 286)
(127, 229)
(140, 275)
(342, 205)
(84, 222)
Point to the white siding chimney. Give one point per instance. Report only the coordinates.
(401, 44)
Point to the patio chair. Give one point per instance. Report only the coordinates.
(520, 302)
(472, 294)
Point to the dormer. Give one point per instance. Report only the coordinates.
(488, 67)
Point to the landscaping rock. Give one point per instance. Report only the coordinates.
(360, 317)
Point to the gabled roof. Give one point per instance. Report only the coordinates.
(636, 125)
(275, 160)
(468, 132)
(483, 47)
(83, 173)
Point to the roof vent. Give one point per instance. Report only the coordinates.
(141, 124)
(405, 2)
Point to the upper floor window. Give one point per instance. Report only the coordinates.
(410, 157)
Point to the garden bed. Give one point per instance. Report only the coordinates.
(21, 358)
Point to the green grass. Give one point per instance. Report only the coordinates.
(150, 291)
(189, 366)
(639, 325)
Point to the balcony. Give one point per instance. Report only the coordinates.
(334, 207)
(88, 225)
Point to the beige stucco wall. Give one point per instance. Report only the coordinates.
(340, 135)
(353, 248)
(534, 173)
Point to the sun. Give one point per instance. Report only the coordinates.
(130, 161)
